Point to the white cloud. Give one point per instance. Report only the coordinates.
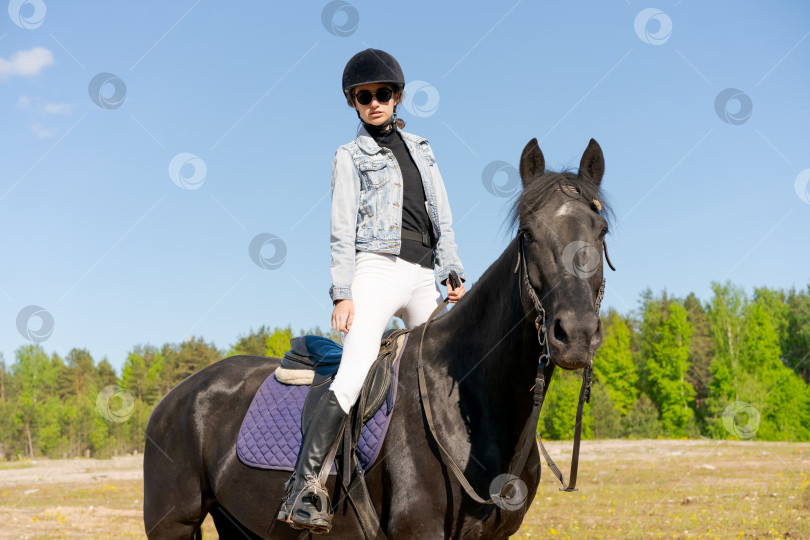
(28, 103)
(26, 63)
(43, 132)
(57, 108)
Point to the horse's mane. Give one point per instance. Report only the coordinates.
(541, 189)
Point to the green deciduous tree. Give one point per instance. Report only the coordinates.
(35, 377)
(667, 367)
(560, 407)
(613, 364)
(726, 315)
(278, 342)
(778, 393)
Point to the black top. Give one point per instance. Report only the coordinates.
(414, 211)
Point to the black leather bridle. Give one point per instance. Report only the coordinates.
(538, 389)
(545, 360)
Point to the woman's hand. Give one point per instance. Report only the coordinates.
(454, 295)
(343, 315)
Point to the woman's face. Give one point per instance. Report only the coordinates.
(375, 113)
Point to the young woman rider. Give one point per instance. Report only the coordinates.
(390, 226)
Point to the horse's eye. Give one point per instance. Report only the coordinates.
(527, 235)
(603, 232)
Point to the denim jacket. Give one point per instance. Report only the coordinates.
(367, 207)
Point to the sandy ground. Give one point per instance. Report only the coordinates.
(71, 498)
(628, 489)
(45, 471)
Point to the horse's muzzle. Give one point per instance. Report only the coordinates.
(574, 338)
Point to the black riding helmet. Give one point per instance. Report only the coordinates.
(372, 66)
(369, 67)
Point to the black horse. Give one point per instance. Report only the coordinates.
(480, 364)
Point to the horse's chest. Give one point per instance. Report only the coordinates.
(424, 501)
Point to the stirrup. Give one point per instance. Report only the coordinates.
(308, 508)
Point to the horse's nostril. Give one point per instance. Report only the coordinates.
(559, 333)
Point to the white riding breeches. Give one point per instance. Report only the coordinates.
(383, 286)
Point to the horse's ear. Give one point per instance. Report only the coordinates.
(592, 164)
(532, 162)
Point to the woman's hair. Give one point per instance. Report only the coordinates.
(397, 100)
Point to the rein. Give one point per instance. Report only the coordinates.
(539, 389)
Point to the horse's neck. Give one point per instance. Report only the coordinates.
(492, 316)
(500, 349)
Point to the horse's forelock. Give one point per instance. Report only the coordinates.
(539, 191)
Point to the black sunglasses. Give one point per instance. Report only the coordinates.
(383, 95)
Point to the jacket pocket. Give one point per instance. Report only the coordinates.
(373, 173)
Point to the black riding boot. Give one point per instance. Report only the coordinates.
(306, 503)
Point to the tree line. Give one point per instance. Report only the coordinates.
(732, 367)
(74, 406)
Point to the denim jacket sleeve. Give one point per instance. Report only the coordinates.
(345, 202)
(446, 250)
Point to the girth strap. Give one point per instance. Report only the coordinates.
(357, 493)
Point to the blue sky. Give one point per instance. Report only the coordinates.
(707, 184)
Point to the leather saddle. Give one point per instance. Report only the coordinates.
(314, 360)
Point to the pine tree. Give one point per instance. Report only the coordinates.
(78, 388)
(606, 419)
(700, 353)
(642, 421)
(253, 344)
(105, 374)
(796, 346)
(193, 355)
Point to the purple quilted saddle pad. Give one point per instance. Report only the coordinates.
(270, 436)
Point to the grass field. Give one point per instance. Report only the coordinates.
(628, 489)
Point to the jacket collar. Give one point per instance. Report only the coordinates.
(368, 145)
